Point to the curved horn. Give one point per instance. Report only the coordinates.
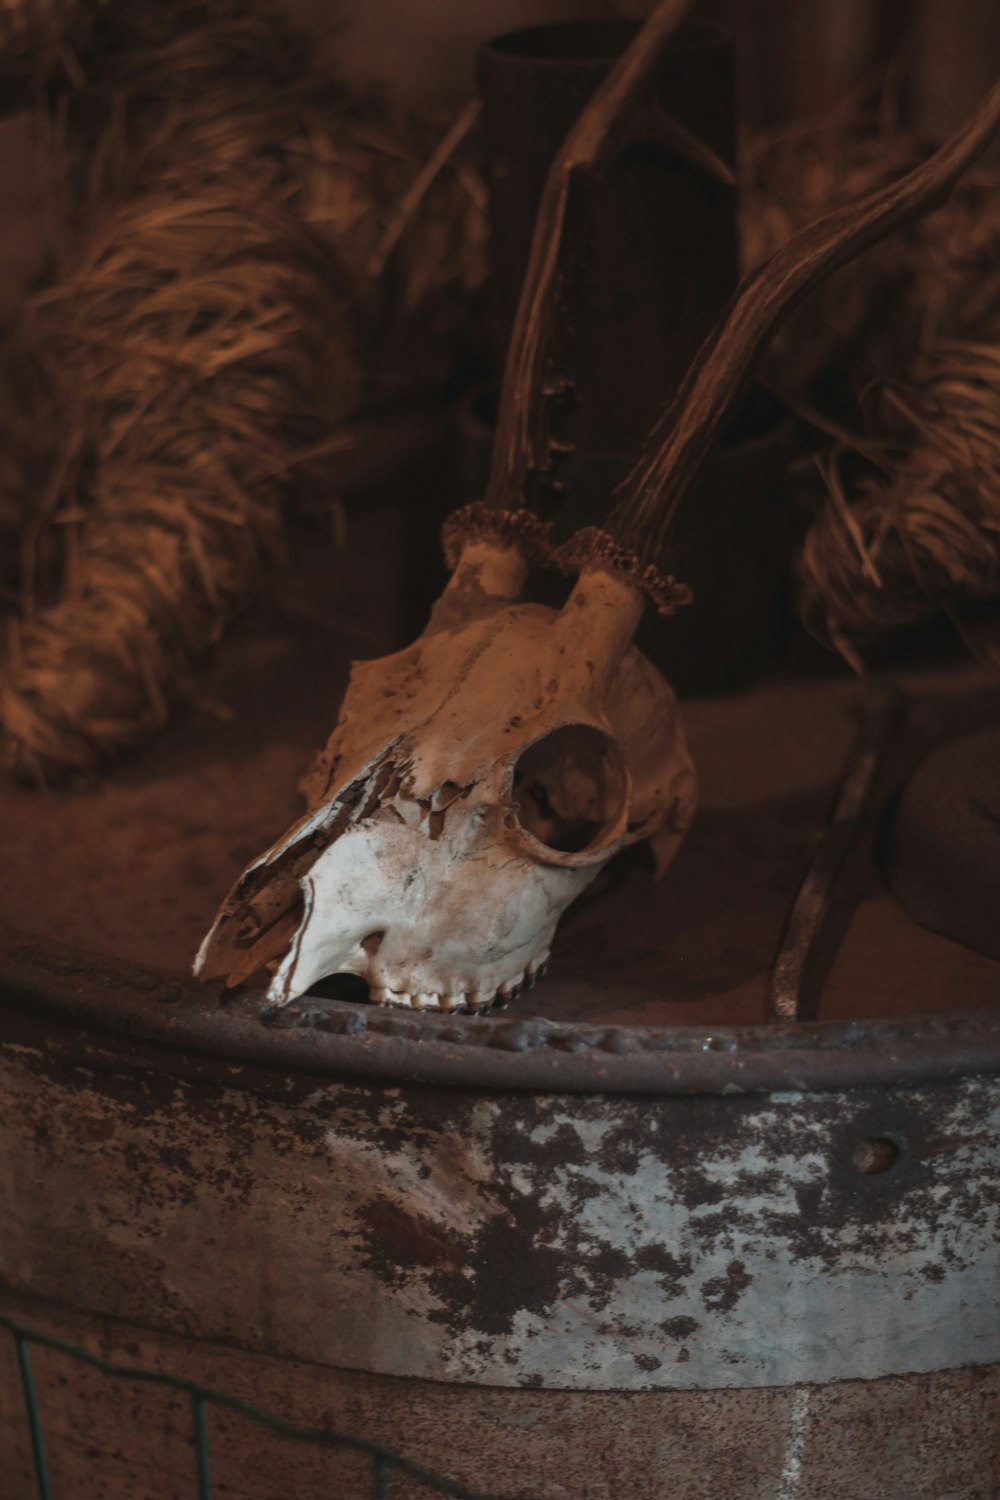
(642, 519)
(523, 446)
(523, 443)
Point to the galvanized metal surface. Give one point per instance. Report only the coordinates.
(546, 1239)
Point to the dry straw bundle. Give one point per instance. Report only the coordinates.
(921, 530)
(911, 521)
(247, 245)
(40, 37)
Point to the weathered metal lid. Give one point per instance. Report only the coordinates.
(327, 1037)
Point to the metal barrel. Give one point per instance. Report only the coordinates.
(539, 1259)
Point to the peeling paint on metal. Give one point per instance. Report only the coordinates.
(538, 1240)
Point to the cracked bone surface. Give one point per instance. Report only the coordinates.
(475, 784)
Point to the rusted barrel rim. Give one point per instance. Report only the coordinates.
(113, 999)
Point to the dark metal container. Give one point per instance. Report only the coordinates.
(544, 1259)
(653, 257)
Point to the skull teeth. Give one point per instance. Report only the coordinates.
(472, 1001)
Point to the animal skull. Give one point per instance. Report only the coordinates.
(475, 784)
(479, 780)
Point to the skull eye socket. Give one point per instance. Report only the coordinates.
(570, 793)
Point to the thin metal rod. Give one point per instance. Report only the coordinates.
(880, 711)
(202, 1449)
(34, 1419)
(381, 1477)
(417, 191)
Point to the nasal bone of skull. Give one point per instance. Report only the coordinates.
(319, 949)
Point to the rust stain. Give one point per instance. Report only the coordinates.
(721, 1293)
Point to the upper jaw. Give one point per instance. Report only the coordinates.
(443, 997)
(482, 998)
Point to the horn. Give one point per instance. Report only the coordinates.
(642, 520)
(524, 447)
(524, 450)
(633, 543)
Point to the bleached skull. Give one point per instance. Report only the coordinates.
(475, 784)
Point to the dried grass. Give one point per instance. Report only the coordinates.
(224, 300)
(911, 521)
(921, 532)
(935, 278)
(39, 38)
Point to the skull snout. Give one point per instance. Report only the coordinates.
(387, 904)
(475, 785)
(402, 965)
